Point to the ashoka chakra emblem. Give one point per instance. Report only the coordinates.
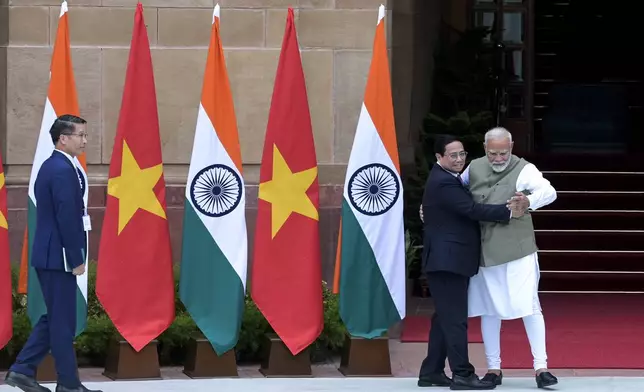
(373, 189)
(216, 190)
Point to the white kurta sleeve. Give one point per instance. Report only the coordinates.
(465, 176)
(541, 191)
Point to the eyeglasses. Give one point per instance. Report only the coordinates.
(455, 155)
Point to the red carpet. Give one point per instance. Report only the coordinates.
(583, 331)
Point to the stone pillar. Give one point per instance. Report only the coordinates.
(4, 42)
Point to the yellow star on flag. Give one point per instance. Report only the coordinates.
(287, 192)
(3, 219)
(135, 188)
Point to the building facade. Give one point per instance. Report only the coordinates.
(336, 38)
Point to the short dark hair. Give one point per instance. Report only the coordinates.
(441, 143)
(64, 125)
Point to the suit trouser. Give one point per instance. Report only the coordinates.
(55, 330)
(448, 335)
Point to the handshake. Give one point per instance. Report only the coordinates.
(518, 204)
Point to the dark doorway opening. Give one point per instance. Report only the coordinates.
(588, 67)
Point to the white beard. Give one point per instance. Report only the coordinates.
(499, 168)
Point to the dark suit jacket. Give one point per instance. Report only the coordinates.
(59, 216)
(452, 238)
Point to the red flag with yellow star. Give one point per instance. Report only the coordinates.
(6, 300)
(286, 282)
(134, 281)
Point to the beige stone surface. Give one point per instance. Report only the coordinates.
(276, 25)
(161, 3)
(28, 25)
(336, 37)
(257, 3)
(103, 26)
(252, 73)
(243, 28)
(351, 69)
(178, 79)
(54, 3)
(366, 4)
(318, 72)
(191, 27)
(316, 3)
(346, 29)
(27, 81)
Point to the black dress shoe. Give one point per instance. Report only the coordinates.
(81, 388)
(23, 382)
(496, 379)
(435, 380)
(471, 382)
(546, 379)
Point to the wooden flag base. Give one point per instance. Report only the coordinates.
(124, 363)
(279, 362)
(203, 362)
(365, 357)
(46, 371)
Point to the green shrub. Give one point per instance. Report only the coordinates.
(91, 345)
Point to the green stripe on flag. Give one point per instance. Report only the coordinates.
(36, 306)
(209, 286)
(366, 306)
(35, 302)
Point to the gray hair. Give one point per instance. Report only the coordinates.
(498, 133)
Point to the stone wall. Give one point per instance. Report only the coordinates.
(336, 38)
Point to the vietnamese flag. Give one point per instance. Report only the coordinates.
(6, 310)
(134, 281)
(286, 280)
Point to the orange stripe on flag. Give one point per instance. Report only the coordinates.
(338, 262)
(378, 95)
(62, 91)
(24, 263)
(63, 98)
(217, 99)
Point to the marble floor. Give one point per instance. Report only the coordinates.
(568, 384)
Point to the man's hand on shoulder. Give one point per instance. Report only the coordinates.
(80, 270)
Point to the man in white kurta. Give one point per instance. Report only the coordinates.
(507, 287)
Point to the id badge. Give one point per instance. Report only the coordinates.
(87, 223)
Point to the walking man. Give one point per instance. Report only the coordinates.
(506, 286)
(58, 256)
(451, 254)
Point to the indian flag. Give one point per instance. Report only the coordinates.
(214, 256)
(61, 99)
(370, 270)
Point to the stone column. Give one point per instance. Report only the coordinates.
(4, 42)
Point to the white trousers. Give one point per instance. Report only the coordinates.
(535, 328)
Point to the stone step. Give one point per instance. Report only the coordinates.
(588, 220)
(590, 239)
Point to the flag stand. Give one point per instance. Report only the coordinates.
(124, 363)
(365, 357)
(46, 371)
(278, 361)
(203, 362)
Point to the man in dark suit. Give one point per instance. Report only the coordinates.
(451, 255)
(58, 256)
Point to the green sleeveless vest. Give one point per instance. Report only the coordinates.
(501, 243)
